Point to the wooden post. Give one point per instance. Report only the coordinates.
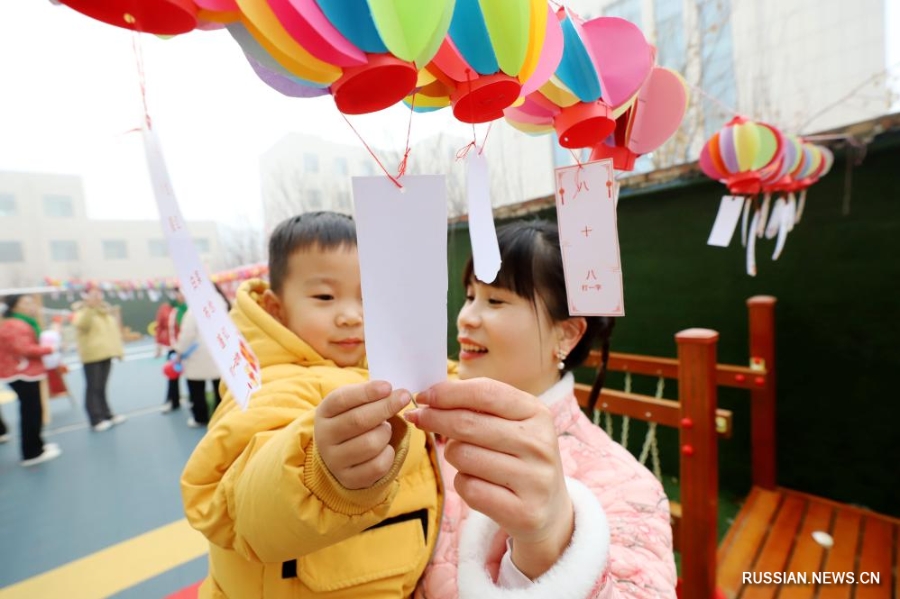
(699, 459)
(762, 406)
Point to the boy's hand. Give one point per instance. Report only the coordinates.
(352, 432)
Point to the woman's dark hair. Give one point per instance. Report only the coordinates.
(223, 296)
(324, 230)
(12, 301)
(531, 267)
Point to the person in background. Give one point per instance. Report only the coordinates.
(168, 327)
(99, 340)
(197, 362)
(21, 367)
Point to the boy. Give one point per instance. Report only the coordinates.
(298, 501)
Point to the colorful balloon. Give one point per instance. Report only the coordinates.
(161, 17)
(739, 154)
(604, 64)
(493, 51)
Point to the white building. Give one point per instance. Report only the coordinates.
(45, 232)
(804, 66)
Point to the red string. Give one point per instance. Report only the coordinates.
(486, 133)
(401, 169)
(579, 184)
(377, 161)
(142, 79)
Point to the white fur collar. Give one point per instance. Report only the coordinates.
(572, 577)
(561, 389)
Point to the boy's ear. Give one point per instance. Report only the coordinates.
(571, 331)
(271, 303)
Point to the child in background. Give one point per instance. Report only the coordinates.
(300, 497)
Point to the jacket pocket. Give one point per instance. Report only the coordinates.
(385, 551)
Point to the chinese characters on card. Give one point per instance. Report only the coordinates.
(586, 212)
(233, 357)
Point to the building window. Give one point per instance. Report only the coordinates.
(11, 251)
(7, 204)
(340, 166)
(202, 245)
(630, 10)
(115, 249)
(158, 248)
(311, 163)
(63, 251)
(58, 206)
(343, 200)
(368, 168)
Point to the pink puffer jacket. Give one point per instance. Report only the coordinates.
(622, 545)
(20, 353)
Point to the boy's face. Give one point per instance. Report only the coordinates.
(321, 302)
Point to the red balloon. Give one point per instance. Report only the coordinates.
(161, 17)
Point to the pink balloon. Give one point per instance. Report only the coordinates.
(218, 5)
(622, 55)
(551, 54)
(530, 112)
(660, 108)
(707, 165)
(451, 63)
(306, 23)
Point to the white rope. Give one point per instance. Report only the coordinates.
(626, 421)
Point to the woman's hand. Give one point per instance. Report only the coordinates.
(503, 443)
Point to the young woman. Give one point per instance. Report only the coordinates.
(539, 502)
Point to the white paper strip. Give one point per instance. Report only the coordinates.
(787, 223)
(233, 357)
(726, 220)
(775, 217)
(745, 218)
(763, 216)
(801, 206)
(485, 251)
(792, 209)
(402, 237)
(751, 246)
(586, 213)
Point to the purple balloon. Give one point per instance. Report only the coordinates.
(285, 85)
(727, 149)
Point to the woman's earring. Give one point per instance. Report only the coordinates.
(561, 355)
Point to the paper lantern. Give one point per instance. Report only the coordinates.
(649, 122)
(162, 17)
(367, 52)
(604, 64)
(493, 53)
(739, 152)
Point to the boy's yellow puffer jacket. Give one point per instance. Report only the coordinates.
(278, 523)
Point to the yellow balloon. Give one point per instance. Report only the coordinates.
(535, 39)
(557, 93)
(262, 23)
(424, 78)
(746, 145)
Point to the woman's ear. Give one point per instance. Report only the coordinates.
(271, 303)
(571, 331)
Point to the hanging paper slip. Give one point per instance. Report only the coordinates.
(402, 237)
(726, 220)
(588, 236)
(485, 250)
(232, 355)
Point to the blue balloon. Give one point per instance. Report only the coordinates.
(576, 70)
(354, 20)
(470, 35)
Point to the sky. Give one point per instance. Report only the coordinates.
(70, 94)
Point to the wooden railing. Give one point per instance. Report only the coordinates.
(699, 423)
